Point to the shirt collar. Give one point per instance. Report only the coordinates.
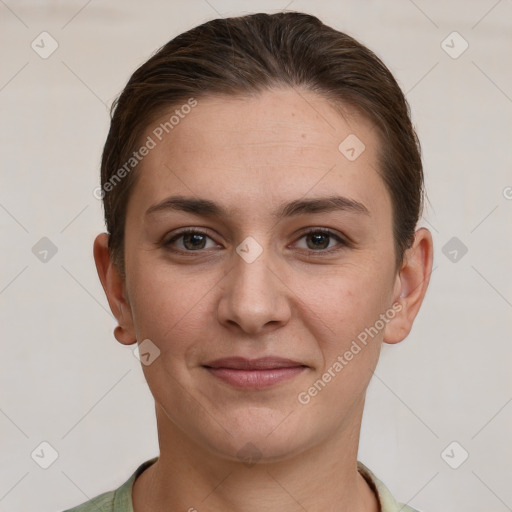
(123, 495)
(386, 500)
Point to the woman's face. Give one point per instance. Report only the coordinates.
(293, 258)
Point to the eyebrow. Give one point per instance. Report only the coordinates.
(208, 208)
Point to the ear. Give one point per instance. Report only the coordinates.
(410, 286)
(115, 290)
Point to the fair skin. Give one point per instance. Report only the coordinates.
(304, 298)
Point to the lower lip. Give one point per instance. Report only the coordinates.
(256, 379)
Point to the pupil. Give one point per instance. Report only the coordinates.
(194, 241)
(320, 240)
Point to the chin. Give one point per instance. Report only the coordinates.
(267, 438)
(252, 451)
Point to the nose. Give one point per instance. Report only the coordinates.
(254, 296)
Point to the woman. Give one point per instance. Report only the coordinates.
(262, 184)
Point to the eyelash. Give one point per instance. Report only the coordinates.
(342, 242)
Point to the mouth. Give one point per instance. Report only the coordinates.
(254, 373)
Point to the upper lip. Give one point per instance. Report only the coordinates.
(262, 363)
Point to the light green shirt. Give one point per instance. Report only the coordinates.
(120, 500)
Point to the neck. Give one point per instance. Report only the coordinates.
(187, 477)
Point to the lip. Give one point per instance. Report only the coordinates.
(254, 373)
(262, 363)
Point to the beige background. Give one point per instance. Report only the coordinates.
(67, 382)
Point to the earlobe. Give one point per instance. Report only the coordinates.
(124, 336)
(115, 290)
(411, 286)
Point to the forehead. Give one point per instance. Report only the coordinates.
(277, 144)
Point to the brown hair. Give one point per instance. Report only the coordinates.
(248, 54)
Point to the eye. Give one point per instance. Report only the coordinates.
(191, 240)
(320, 240)
(317, 240)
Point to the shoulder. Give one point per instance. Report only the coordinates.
(118, 500)
(386, 500)
(102, 503)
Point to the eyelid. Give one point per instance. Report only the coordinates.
(184, 231)
(343, 240)
(168, 241)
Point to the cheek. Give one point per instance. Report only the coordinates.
(348, 327)
(346, 323)
(347, 299)
(174, 306)
(173, 309)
